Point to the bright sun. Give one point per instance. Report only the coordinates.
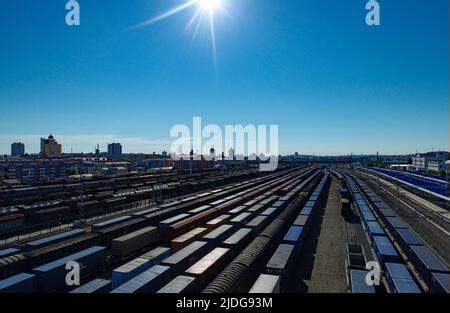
(210, 5)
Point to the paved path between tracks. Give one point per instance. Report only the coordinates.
(328, 241)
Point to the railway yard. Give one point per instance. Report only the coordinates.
(308, 229)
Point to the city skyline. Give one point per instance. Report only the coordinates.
(376, 89)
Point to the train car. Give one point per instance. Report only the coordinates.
(266, 284)
(97, 285)
(129, 270)
(209, 266)
(51, 276)
(134, 241)
(181, 284)
(187, 256)
(149, 281)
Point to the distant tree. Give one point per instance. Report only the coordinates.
(443, 173)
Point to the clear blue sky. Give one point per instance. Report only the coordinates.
(332, 84)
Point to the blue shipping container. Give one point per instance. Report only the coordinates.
(98, 285)
(20, 283)
(440, 283)
(52, 239)
(129, 270)
(151, 280)
(425, 262)
(358, 282)
(51, 276)
(385, 250)
(404, 286)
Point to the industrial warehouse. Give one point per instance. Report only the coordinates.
(303, 229)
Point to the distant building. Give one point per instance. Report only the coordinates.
(114, 149)
(36, 170)
(437, 166)
(437, 159)
(17, 149)
(50, 148)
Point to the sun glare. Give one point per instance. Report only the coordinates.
(205, 11)
(209, 5)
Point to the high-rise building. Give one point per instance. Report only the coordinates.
(17, 149)
(114, 149)
(50, 148)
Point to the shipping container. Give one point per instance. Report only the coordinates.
(61, 249)
(129, 270)
(367, 217)
(20, 283)
(374, 229)
(191, 222)
(149, 281)
(358, 282)
(238, 210)
(200, 209)
(281, 264)
(393, 223)
(181, 284)
(425, 263)
(186, 256)
(395, 270)
(440, 283)
(385, 250)
(51, 276)
(306, 211)
(404, 286)
(266, 284)
(165, 223)
(406, 238)
(209, 266)
(294, 237)
(301, 220)
(271, 211)
(385, 213)
(280, 204)
(97, 285)
(217, 221)
(258, 223)
(238, 240)
(241, 218)
(52, 239)
(187, 238)
(156, 255)
(132, 242)
(8, 252)
(110, 222)
(363, 207)
(218, 234)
